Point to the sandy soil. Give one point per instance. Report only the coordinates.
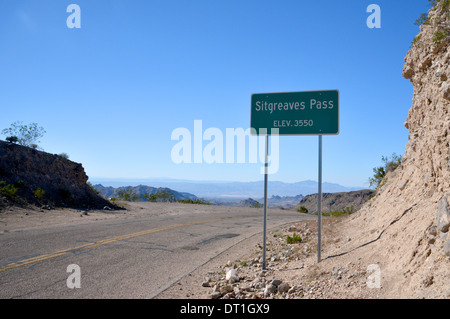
(345, 276)
(355, 264)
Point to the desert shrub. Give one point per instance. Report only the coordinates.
(125, 194)
(166, 196)
(151, 197)
(256, 205)
(303, 210)
(337, 213)
(423, 19)
(191, 201)
(440, 35)
(10, 191)
(160, 196)
(39, 193)
(64, 155)
(416, 40)
(294, 239)
(12, 139)
(443, 31)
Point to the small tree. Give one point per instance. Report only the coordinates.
(12, 139)
(380, 172)
(26, 135)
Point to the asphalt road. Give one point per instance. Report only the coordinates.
(125, 257)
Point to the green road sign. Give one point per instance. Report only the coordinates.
(295, 113)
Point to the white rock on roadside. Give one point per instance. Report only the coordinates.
(231, 276)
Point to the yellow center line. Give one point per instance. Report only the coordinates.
(98, 243)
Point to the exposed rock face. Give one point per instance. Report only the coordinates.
(249, 202)
(64, 182)
(336, 201)
(427, 65)
(410, 198)
(140, 190)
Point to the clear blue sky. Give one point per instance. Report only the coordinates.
(110, 93)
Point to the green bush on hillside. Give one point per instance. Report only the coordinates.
(380, 172)
(303, 210)
(10, 191)
(443, 31)
(191, 201)
(160, 196)
(39, 193)
(126, 195)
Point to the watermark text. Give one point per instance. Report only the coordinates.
(229, 147)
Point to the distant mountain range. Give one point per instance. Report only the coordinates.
(230, 191)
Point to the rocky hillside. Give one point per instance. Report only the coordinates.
(409, 217)
(336, 201)
(141, 190)
(284, 202)
(29, 176)
(250, 202)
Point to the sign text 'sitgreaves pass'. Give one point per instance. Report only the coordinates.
(296, 113)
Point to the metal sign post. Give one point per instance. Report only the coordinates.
(266, 177)
(319, 203)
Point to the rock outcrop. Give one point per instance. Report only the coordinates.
(250, 202)
(62, 182)
(336, 201)
(404, 213)
(141, 190)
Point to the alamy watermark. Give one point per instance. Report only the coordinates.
(74, 19)
(74, 279)
(374, 278)
(374, 19)
(224, 147)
